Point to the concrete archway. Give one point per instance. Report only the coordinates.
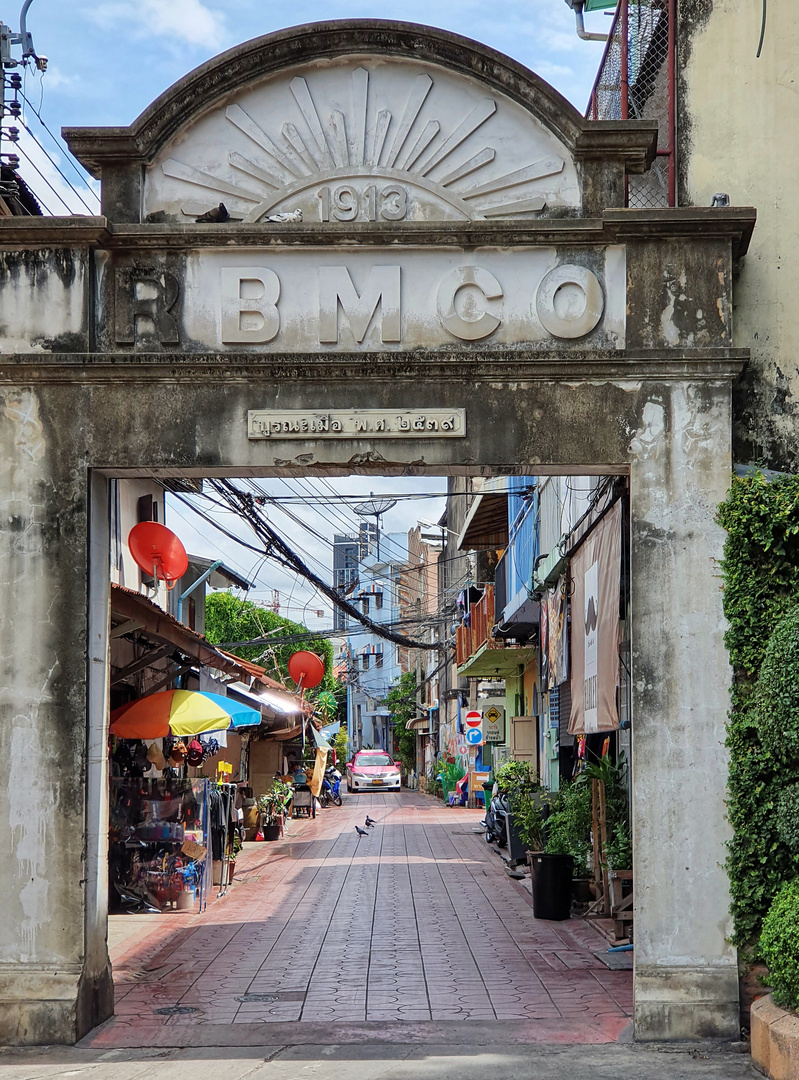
(410, 321)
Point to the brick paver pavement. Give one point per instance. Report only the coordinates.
(415, 925)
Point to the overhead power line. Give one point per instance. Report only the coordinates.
(66, 180)
(243, 504)
(80, 173)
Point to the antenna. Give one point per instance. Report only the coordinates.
(13, 107)
(375, 507)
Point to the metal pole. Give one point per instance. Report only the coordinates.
(191, 588)
(671, 101)
(624, 78)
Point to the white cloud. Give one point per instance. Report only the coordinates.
(188, 21)
(54, 78)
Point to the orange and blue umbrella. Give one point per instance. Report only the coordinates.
(180, 712)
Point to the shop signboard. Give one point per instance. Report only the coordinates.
(494, 725)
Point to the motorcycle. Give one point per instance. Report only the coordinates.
(494, 821)
(331, 783)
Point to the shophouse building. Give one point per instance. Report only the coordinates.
(373, 663)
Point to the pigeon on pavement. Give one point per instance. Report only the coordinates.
(360, 831)
(370, 821)
(218, 213)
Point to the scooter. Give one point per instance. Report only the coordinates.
(494, 820)
(331, 782)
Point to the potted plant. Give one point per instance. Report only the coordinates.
(273, 806)
(528, 821)
(568, 832)
(526, 800)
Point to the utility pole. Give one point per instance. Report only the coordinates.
(12, 85)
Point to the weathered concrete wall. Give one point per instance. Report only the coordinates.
(573, 407)
(737, 115)
(686, 976)
(43, 554)
(197, 422)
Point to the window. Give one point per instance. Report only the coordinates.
(365, 661)
(381, 760)
(147, 508)
(378, 600)
(365, 605)
(378, 659)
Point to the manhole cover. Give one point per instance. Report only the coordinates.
(257, 997)
(175, 1010)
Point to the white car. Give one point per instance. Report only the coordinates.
(373, 770)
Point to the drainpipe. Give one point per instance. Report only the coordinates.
(577, 7)
(191, 588)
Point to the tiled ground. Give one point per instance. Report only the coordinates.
(418, 922)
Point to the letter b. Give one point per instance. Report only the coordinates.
(249, 305)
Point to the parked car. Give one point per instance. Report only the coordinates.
(372, 770)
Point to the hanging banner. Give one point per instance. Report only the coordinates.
(556, 643)
(596, 580)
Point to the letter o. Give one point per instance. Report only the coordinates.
(457, 325)
(569, 324)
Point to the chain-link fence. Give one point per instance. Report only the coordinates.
(636, 81)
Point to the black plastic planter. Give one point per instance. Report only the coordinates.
(552, 886)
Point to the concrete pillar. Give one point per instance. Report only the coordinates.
(686, 979)
(51, 990)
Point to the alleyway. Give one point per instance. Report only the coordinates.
(418, 922)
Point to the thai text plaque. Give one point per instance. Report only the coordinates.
(356, 424)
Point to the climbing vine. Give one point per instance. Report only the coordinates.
(760, 571)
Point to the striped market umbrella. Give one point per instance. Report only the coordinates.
(180, 712)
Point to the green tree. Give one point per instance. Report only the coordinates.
(341, 744)
(401, 701)
(230, 619)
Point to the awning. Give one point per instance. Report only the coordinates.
(133, 613)
(279, 710)
(221, 576)
(320, 740)
(419, 724)
(501, 662)
(486, 524)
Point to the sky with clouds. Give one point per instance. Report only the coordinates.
(109, 59)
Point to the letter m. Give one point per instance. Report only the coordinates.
(336, 289)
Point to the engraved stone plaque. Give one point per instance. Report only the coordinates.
(356, 424)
